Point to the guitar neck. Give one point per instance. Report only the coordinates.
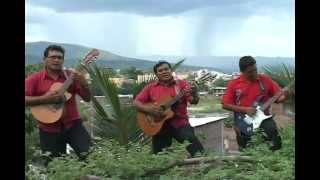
(175, 99)
(68, 82)
(206, 77)
(271, 100)
(276, 96)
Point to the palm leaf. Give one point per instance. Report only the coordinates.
(177, 65)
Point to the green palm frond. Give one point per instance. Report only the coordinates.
(283, 74)
(108, 88)
(100, 111)
(116, 120)
(177, 65)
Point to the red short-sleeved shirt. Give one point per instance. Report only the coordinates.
(243, 92)
(153, 91)
(39, 83)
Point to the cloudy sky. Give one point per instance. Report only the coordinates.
(167, 27)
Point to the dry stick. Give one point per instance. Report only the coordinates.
(201, 160)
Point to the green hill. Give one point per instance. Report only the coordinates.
(34, 54)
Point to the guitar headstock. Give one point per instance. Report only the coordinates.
(288, 87)
(205, 78)
(91, 55)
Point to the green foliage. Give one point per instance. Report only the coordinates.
(131, 72)
(117, 120)
(126, 88)
(109, 159)
(31, 136)
(270, 165)
(95, 89)
(283, 74)
(220, 82)
(31, 68)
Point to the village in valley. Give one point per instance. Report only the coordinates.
(159, 90)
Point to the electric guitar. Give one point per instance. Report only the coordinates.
(150, 124)
(50, 113)
(259, 116)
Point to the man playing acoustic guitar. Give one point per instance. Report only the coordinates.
(244, 93)
(178, 126)
(69, 128)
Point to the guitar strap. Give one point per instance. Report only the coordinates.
(65, 74)
(262, 87)
(263, 93)
(177, 87)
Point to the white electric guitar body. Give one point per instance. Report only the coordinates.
(260, 116)
(257, 118)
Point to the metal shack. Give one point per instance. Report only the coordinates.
(210, 132)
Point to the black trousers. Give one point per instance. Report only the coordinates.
(270, 128)
(56, 143)
(164, 138)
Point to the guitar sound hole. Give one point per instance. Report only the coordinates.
(57, 106)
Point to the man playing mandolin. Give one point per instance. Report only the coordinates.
(69, 128)
(177, 126)
(244, 93)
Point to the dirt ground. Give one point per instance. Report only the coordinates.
(282, 120)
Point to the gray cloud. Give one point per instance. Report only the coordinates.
(159, 7)
(210, 20)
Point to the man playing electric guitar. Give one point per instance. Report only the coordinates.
(69, 128)
(178, 126)
(244, 94)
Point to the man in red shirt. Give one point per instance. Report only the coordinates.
(68, 129)
(178, 126)
(244, 93)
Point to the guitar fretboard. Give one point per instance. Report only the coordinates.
(276, 96)
(206, 77)
(69, 81)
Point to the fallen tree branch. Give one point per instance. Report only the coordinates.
(200, 160)
(192, 161)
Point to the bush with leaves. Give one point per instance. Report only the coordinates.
(31, 136)
(109, 159)
(270, 165)
(31, 68)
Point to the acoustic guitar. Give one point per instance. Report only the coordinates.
(150, 124)
(50, 113)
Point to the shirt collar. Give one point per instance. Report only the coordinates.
(243, 78)
(46, 74)
(172, 82)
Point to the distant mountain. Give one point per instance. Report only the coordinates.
(34, 54)
(227, 64)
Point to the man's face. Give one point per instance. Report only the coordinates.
(54, 60)
(251, 72)
(164, 72)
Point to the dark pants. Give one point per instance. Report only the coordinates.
(76, 136)
(269, 127)
(164, 138)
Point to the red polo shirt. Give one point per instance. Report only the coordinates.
(39, 83)
(155, 90)
(247, 91)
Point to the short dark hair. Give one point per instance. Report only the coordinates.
(159, 64)
(245, 62)
(53, 48)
